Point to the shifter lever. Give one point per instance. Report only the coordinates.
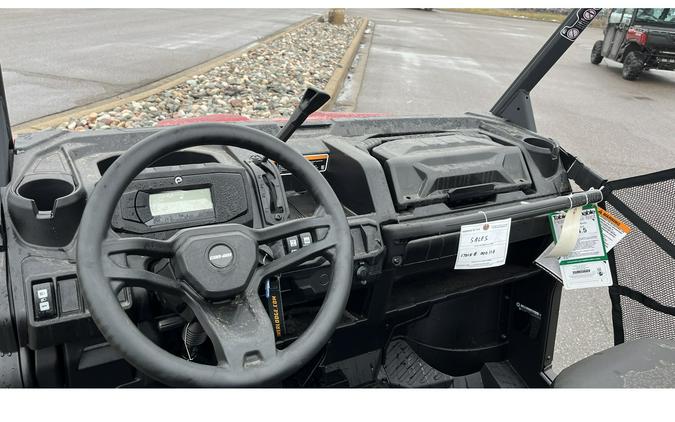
(311, 101)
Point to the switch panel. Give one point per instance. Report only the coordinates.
(44, 304)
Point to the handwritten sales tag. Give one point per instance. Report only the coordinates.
(483, 245)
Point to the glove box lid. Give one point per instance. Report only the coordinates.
(429, 169)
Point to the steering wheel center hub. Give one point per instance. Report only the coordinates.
(217, 261)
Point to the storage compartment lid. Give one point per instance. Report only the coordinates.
(450, 167)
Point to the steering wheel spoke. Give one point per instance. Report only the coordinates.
(293, 259)
(292, 227)
(317, 227)
(142, 246)
(240, 330)
(132, 277)
(121, 275)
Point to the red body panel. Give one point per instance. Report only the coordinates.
(319, 115)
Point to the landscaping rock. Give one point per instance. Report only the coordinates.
(265, 82)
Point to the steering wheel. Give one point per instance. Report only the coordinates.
(217, 266)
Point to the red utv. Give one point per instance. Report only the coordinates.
(641, 39)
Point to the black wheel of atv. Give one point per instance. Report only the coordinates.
(632, 66)
(596, 52)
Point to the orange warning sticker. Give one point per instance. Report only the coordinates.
(615, 221)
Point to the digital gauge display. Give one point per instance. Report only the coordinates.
(175, 198)
(180, 201)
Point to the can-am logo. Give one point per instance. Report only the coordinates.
(220, 256)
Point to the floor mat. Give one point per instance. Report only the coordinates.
(404, 368)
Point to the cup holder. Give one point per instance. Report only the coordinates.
(545, 153)
(539, 143)
(46, 209)
(45, 192)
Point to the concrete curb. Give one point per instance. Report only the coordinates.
(353, 85)
(145, 91)
(334, 84)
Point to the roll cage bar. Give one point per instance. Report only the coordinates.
(6, 141)
(515, 105)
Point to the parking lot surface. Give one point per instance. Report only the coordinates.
(54, 60)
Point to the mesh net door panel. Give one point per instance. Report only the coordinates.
(643, 263)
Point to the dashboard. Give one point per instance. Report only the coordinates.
(399, 180)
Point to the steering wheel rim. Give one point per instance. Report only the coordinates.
(123, 335)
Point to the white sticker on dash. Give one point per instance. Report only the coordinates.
(483, 245)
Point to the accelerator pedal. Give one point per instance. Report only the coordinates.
(404, 368)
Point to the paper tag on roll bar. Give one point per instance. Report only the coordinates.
(589, 245)
(587, 265)
(576, 276)
(565, 226)
(483, 245)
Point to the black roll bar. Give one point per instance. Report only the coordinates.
(514, 105)
(518, 211)
(6, 142)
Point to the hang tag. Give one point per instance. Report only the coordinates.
(590, 244)
(566, 231)
(586, 265)
(549, 263)
(583, 275)
(483, 245)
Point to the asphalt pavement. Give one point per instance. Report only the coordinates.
(445, 63)
(55, 59)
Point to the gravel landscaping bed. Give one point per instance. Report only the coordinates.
(265, 82)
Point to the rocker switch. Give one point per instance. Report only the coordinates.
(305, 239)
(44, 305)
(292, 244)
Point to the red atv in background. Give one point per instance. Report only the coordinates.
(641, 39)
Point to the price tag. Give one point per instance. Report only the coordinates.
(589, 245)
(586, 265)
(566, 231)
(483, 245)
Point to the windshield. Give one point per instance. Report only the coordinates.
(656, 16)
